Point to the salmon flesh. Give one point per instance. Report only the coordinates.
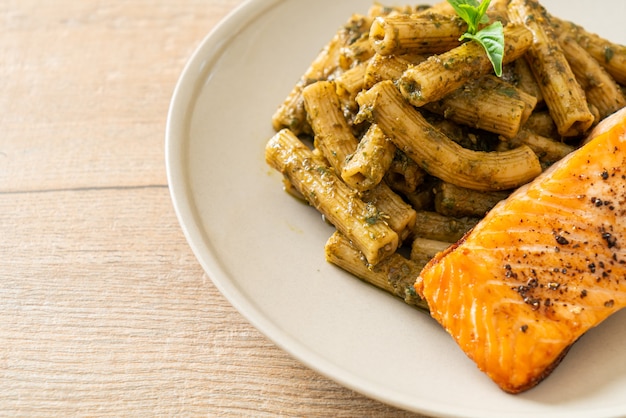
(542, 268)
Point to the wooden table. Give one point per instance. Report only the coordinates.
(104, 311)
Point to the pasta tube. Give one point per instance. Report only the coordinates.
(432, 31)
(371, 160)
(458, 202)
(441, 74)
(563, 95)
(600, 88)
(547, 149)
(388, 67)
(334, 138)
(351, 82)
(395, 275)
(398, 214)
(521, 76)
(422, 198)
(610, 55)
(441, 7)
(362, 223)
(434, 226)
(541, 123)
(436, 153)
(377, 10)
(348, 85)
(291, 113)
(333, 135)
(424, 33)
(356, 52)
(498, 10)
(423, 250)
(489, 104)
(404, 175)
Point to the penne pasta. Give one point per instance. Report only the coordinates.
(521, 76)
(334, 139)
(541, 123)
(367, 166)
(422, 198)
(441, 74)
(291, 113)
(459, 202)
(404, 175)
(403, 138)
(333, 136)
(564, 97)
(436, 153)
(601, 90)
(610, 55)
(489, 104)
(388, 67)
(486, 103)
(499, 11)
(348, 85)
(435, 226)
(441, 7)
(547, 149)
(362, 223)
(356, 52)
(351, 82)
(378, 9)
(395, 275)
(424, 33)
(398, 214)
(422, 250)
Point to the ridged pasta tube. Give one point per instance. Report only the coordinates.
(548, 150)
(291, 113)
(334, 138)
(437, 154)
(367, 166)
(441, 74)
(395, 275)
(521, 76)
(488, 103)
(362, 223)
(398, 214)
(610, 55)
(601, 90)
(388, 67)
(424, 33)
(423, 250)
(435, 226)
(458, 202)
(563, 95)
(333, 135)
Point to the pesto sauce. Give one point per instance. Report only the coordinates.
(608, 54)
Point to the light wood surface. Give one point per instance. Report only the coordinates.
(104, 311)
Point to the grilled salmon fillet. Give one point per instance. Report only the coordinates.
(542, 268)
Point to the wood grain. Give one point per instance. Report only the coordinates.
(104, 310)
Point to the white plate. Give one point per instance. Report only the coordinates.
(264, 250)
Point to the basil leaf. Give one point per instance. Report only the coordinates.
(456, 3)
(468, 14)
(472, 12)
(482, 12)
(492, 39)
